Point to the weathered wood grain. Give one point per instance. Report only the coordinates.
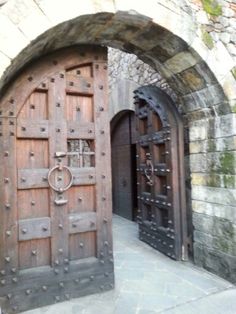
(36, 228)
(83, 222)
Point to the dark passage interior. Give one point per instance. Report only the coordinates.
(124, 177)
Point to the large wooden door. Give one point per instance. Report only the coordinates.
(160, 165)
(55, 191)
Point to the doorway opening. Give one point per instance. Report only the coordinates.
(123, 160)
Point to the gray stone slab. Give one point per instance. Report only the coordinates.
(219, 303)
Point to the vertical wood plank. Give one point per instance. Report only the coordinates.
(57, 142)
(79, 108)
(8, 196)
(81, 199)
(35, 107)
(32, 153)
(34, 253)
(33, 203)
(102, 160)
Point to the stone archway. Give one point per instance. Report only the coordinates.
(168, 42)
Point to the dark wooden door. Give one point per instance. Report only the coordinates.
(161, 191)
(123, 143)
(55, 187)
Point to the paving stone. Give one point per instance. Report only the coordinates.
(127, 303)
(151, 302)
(220, 303)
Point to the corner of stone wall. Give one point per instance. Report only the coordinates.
(213, 178)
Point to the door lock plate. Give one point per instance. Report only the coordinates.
(59, 154)
(60, 202)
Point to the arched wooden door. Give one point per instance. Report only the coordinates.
(160, 165)
(55, 190)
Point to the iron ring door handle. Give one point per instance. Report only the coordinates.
(60, 189)
(150, 170)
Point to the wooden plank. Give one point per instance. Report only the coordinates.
(58, 143)
(84, 69)
(84, 131)
(8, 197)
(78, 200)
(35, 107)
(34, 253)
(102, 160)
(27, 129)
(32, 178)
(79, 84)
(35, 153)
(83, 176)
(79, 108)
(33, 203)
(82, 222)
(36, 228)
(82, 245)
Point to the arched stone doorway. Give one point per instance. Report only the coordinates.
(169, 42)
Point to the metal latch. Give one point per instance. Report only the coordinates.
(59, 154)
(60, 202)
